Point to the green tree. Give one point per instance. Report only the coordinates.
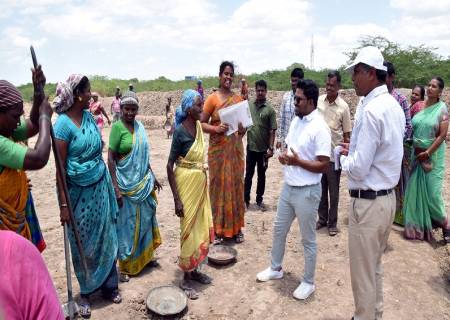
(413, 64)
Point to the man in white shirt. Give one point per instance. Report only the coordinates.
(372, 162)
(287, 107)
(306, 158)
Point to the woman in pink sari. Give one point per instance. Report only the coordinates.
(26, 290)
(97, 110)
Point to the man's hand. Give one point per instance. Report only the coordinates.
(345, 148)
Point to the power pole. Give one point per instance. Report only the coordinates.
(312, 53)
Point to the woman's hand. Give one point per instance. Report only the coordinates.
(158, 186)
(423, 156)
(64, 215)
(38, 78)
(179, 209)
(221, 128)
(45, 108)
(118, 197)
(241, 129)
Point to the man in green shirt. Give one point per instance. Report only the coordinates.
(260, 140)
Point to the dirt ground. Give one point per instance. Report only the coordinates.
(414, 284)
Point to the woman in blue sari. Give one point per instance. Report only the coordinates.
(134, 184)
(91, 192)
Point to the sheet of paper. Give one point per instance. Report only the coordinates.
(232, 115)
(337, 157)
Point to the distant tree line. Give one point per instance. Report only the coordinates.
(414, 65)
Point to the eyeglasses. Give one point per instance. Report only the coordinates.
(298, 99)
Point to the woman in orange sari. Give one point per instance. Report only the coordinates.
(225, 161)
(16, 210)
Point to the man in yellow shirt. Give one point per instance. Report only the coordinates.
(337, 115)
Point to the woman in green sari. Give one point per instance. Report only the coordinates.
(134, 185)
(424, 207)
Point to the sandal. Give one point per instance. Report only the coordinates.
(320, 225)
(332, 231)
(114, 297)
(124, 277)
(84, 309)
(200, 277)
(446, 235)
(191, 293)
(239, 238)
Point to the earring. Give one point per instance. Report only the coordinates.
(79, 99)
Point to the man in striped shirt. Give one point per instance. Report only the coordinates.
(287, 107)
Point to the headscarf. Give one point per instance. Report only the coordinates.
(129, 97)
(187, 102)
(64, 93)
(9, 95)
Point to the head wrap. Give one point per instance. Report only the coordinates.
(9, 95)
(129, 97)
(64, 93)
(187, 102)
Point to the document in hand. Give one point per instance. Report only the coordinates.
(232, 115)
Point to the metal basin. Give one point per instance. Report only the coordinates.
(166, 300)
(222, 255)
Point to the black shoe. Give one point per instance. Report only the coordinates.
(261, 206)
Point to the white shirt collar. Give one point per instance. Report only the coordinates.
(374, 93)
(310, 116)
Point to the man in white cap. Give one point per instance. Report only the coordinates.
(372, 162)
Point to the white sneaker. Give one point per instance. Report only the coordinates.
(303, 291)
(269, 274)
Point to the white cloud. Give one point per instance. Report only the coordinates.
(423, 23)
(149, 38)
(422, 8)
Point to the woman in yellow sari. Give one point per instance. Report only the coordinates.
(16, 209)
(190, 190)
(225, 161)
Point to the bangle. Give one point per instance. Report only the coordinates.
(63, 205)
(46, 117)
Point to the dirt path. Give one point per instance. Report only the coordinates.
(414, 287)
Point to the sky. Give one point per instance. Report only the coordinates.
(146, 39)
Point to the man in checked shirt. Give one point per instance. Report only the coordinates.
(287, 107)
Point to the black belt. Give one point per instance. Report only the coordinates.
(368, 194)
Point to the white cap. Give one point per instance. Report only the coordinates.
(371, 56)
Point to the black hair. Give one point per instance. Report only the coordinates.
(381, 75)
(422, 90)
(440, 82)
(81, 86)
(225, 64)
(390, 68)
(261, 83)
(335, 73)
(310, 90)
(298, 73)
